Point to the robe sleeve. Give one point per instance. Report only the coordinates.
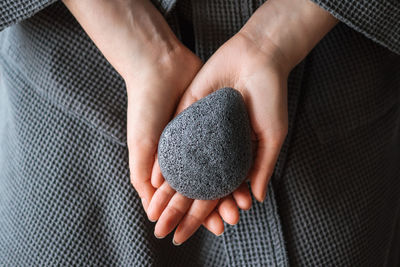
(13, 11)
(378, 20)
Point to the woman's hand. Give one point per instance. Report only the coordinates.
(135, 39)
(156, 67)
(257, 62)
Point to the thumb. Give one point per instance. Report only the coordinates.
(266, 156)
(268, 116)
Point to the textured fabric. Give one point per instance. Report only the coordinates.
(65, 196)
(378, 20)
(338, 195)
(12, 11)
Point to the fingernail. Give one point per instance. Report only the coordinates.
(175, 243)
(159, 237)
(151, 220)
(220, 234)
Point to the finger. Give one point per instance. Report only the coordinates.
(263, 167)
(228, 210)
(156, 176)
(214, 223)
(172, 215)
(159, 201)
(242, 196)
(193, 219)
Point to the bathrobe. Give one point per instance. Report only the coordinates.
(65, 192)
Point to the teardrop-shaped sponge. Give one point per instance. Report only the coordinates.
(205, 152)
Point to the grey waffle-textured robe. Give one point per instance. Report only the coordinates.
(65, 195)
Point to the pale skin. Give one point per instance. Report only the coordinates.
(163, 77)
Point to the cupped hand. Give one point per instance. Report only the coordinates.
(153, 94)
(152, 99)
(261, 77)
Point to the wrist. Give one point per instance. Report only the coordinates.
(292, 27)
(172, 71)
(152, 45)
(131, 34)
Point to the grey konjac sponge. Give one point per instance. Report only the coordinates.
(205, 152)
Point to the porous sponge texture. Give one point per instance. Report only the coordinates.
(205, 152)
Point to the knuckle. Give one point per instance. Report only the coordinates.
(175, 211)
(195, 219)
